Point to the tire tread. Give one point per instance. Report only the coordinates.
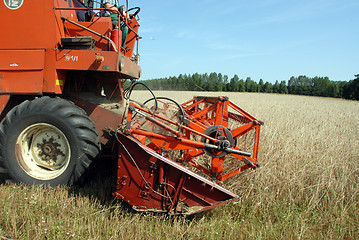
(83, 127)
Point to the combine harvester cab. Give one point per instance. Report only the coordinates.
(62, 68)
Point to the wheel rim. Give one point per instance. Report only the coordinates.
(43, 151)
(220, 133)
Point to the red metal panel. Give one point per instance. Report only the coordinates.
(21, 71)
(105, 120)
(151, 182)
(60, 78)
(86, 60)
(68, 59)
(51, 80)
(132, 36)
(30, 26)
(25, 82)
(17, 60)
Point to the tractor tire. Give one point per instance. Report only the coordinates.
(47, 141)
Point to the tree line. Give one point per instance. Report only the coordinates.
(301, 85)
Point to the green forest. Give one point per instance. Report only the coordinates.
(301, 85)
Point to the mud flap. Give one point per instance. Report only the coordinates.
(150, 182)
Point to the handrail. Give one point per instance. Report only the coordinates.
(91, 31)
(123, 18)
(96, 9)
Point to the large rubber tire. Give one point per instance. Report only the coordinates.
(47, 141)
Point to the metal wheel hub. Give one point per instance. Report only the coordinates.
(50, 150)
(225, 140)
(43, 151)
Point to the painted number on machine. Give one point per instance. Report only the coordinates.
(13, 4)
(71, 58)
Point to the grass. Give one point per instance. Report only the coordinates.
(306, 188)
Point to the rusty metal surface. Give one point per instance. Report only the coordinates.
(178, 191)
(106, 116)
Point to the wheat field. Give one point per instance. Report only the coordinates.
(306, 188)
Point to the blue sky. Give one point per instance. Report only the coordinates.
(268, 39)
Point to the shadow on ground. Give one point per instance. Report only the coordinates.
(99, 184)
(3, 178)
(99, 181)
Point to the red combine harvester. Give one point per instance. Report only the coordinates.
(62, 103)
